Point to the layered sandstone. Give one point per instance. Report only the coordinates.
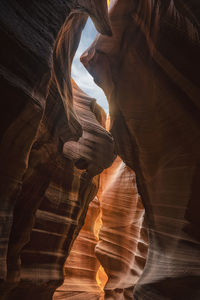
(81, 267)
(53, 148)
(149, 71)
(56, 191)
(93, 152)
(37, 117)
(122, 247)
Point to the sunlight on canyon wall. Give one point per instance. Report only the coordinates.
(72, 189)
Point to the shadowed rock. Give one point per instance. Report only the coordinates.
(39, 40)
(149, 71)
(54, 199)
(81, 267)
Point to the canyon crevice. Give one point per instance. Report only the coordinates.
(90, 210)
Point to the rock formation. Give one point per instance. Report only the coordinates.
(122, 247)
(53, 146)
(149, 71)
(54, 199)
(123, 240)
(82, 265)
(37, 117)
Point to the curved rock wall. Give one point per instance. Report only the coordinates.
(122, 247)
(53, 201)
(25, 68)
(37, 117)
(149, 72)
(82, 265)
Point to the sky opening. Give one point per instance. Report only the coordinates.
(81, 76)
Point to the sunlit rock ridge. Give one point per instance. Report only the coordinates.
(94, 208)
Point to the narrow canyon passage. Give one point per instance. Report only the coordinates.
(99, 202)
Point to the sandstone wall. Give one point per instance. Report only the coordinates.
(123, 244)
(81, 267)
(149, 72)
(44, 196)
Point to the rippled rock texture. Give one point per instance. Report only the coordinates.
(93, 151)
(56, 191)
(122, 247)
(82, 266)
(44, 193)
(149, 71)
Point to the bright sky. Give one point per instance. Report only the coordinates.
(80, 74)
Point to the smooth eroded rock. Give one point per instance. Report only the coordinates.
(149, 71)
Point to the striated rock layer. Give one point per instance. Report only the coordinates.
(56, 191)
(37, 117)
(93, 151)
(149, 71)
(82, 265)
(123, 246)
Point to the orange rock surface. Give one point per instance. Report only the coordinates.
(57, 188)
(44, 196)
(53, 147)
(122, 247)
(82, 265)
(149, 70)
(118, 241)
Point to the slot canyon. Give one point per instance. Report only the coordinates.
(97, 206)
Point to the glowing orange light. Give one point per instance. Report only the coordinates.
(101, 276)
(108, 1)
